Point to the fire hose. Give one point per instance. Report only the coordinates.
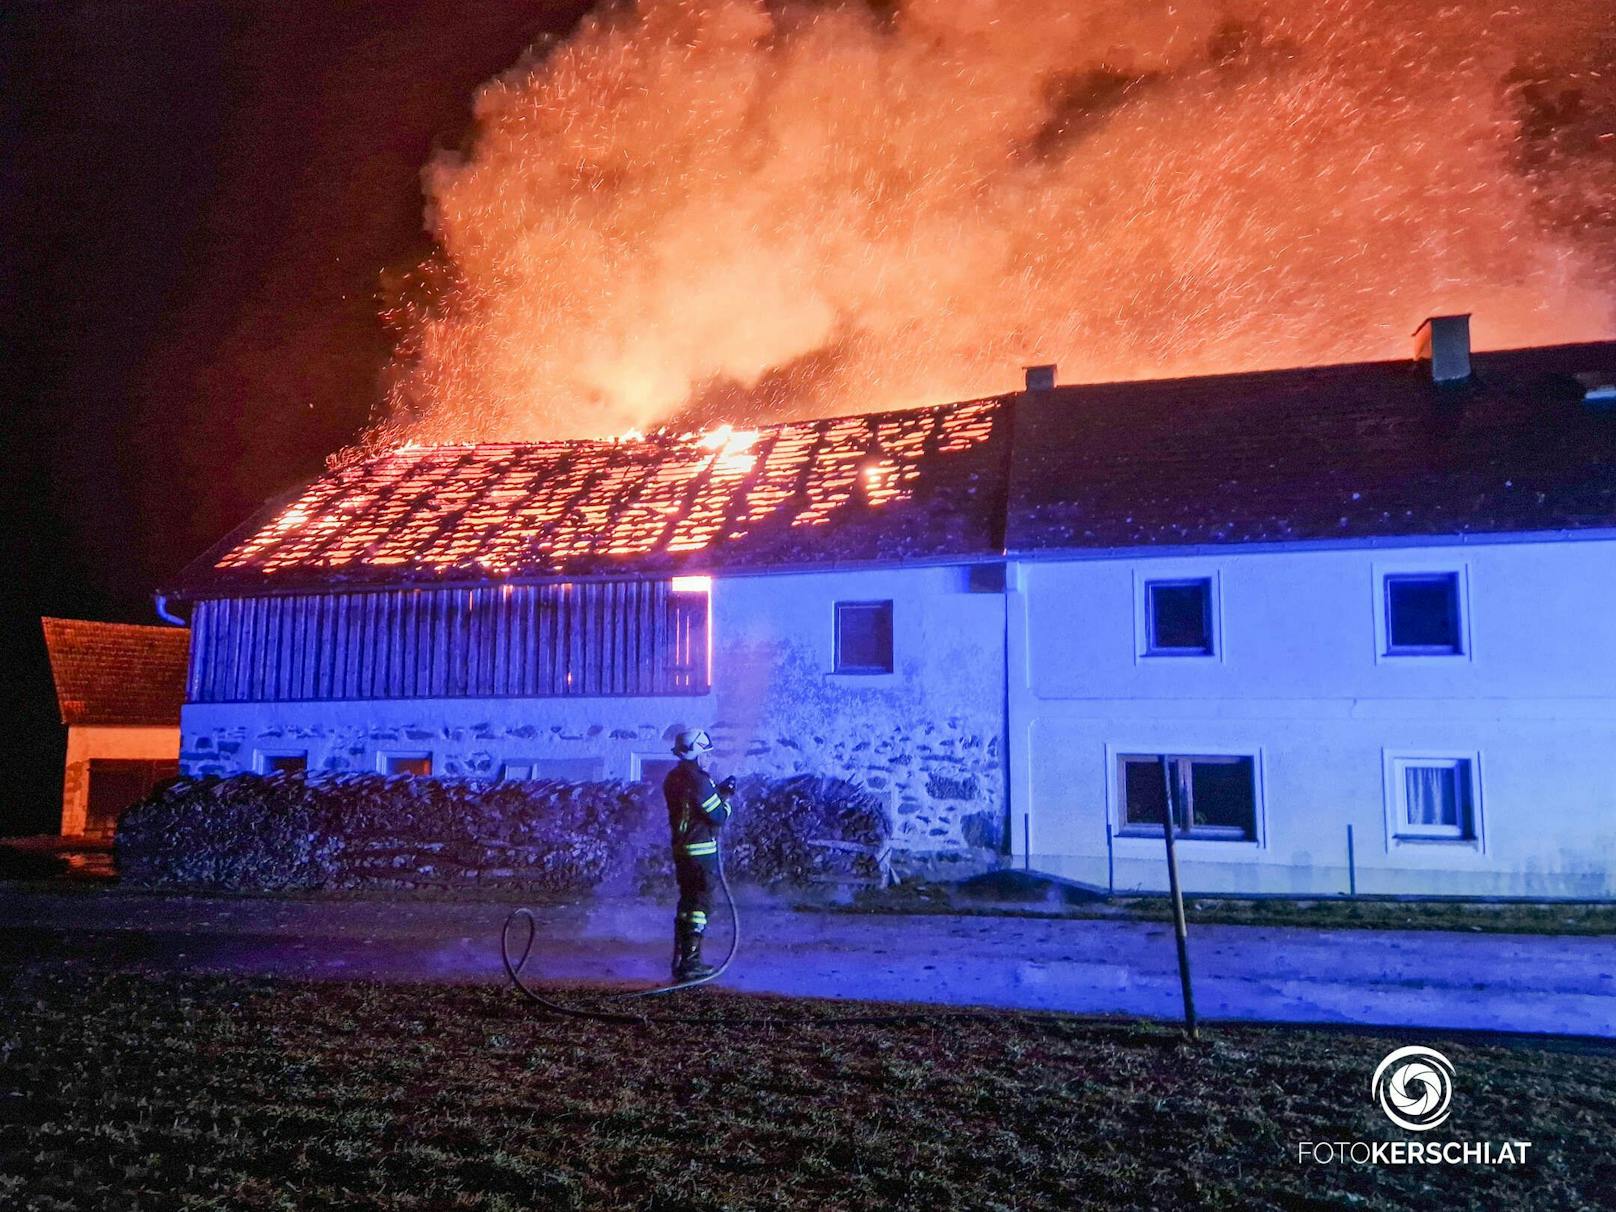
(514, 966)
(513, 969)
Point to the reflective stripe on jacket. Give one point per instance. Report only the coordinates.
(696, 811)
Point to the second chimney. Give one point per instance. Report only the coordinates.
(1040, 378)
(1443, 343)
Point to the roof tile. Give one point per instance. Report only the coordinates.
(1370, 450)
(881, 486)
(117, 673)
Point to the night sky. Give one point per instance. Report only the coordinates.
(199, 203)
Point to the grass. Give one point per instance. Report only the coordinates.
(1469, 916)
(1338, 913)
(132, 1091)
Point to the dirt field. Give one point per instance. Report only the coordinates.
(140, 1091)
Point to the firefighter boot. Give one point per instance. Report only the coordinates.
(687, 965)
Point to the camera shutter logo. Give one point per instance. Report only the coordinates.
(1415, 1087)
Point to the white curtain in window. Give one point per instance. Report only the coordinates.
(1433, 795)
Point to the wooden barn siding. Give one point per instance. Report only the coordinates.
(589, 638)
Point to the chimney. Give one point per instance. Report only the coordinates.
(1040, 378)
(1443, 344)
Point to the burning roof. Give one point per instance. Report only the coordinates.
(1364, 451)
(901, 485)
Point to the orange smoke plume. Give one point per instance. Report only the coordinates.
(693, 210)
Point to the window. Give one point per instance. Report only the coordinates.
(563, 770)
(653, 769)
(688, 639)
(1434, 798)
(1214, 797)
(863, 637)
(417, 764)
(1178, 618)
(283, 763)
(1422, 614)
(986, 578)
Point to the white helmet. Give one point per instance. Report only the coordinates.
(692, 741)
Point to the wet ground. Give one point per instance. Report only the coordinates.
(49, 857)
(1502, 982)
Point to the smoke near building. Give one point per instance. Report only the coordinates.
(721, 210)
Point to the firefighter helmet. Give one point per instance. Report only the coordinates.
(692, 741)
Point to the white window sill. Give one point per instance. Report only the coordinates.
(1135, 838)
(864, 679)
(1422, 658)
(1435, 839)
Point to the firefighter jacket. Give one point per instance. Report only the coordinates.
(696, 811)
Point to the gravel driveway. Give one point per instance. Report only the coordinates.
(1502, 982)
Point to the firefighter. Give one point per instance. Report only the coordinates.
(697, 810)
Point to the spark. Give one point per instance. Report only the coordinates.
(700, 207)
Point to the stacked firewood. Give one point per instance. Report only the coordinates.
(359, 831)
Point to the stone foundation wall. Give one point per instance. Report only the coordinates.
(939, 780)
(936, 760)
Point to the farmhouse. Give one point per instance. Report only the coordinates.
(1359, 610)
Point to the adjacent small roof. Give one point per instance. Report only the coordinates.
(1364, 451)
(117, 673)
(920, 483)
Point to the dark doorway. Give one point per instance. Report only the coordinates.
(115, 783)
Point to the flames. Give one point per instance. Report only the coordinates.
(693, 209)
(503, 509)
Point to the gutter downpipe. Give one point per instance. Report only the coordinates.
(1007, 707)
(160, 604)
(1011, 592)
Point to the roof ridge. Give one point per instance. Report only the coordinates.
(1330, 367)
(163, 628)
(664, 435)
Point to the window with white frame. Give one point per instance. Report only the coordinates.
(557, 769)
(1423, 614)
(863, 637)
(1214, 796)
(287, 762)
(1178, 617)
(1434, 798)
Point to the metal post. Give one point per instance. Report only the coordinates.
(1179, 929)
(1110, 863)
(1026, 841)
(1352, 866)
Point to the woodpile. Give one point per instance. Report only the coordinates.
(370, 831)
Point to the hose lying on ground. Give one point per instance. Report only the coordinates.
(514, 967)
